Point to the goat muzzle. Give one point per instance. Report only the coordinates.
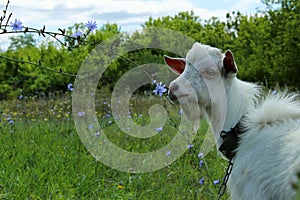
(172, 97)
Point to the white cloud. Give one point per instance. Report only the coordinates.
(205, 14)
(247, 5)
(129, 14)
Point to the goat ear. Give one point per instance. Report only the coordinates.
(177, 65)
(229, 64)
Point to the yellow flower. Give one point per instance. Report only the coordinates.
(120, 186)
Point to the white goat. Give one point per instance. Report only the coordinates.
(268, 152)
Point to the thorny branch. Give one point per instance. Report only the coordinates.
(18, 28)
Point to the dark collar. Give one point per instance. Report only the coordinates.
(231, 140)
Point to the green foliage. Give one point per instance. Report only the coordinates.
(266, 48)
(22, 41)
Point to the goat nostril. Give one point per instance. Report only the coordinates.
(174, 87)
(172, 96)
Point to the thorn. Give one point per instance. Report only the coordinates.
(63, 31)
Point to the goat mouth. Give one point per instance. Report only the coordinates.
(176, 99)
(182, 96)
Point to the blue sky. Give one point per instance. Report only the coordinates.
(129, 14)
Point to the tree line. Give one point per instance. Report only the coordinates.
(266, 46)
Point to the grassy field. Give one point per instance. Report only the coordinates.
(42, 156)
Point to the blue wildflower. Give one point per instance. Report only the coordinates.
(190, 146)
(160, 89)
(97, 133)
(201, 155)
(201, 163)
(80, 114)
(91, 126)
(17, 25)
(91, 25)
(70, 87)
(9, 120)
(201, 181)
(180, 112)
(77, 34)
(159, 129)
(168, 153)
(216, 182)
(21, 97)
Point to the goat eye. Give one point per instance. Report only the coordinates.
(210, 72)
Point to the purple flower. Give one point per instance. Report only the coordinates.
(80, 114)
(97, 133)
(201, 163)
(168, 153)
(160, 89)
(91, 126)
(201, 181)
(91, 25)
(159, 129)
(216, 182)
(17, 25)
(201, 155)
(180, 112)
(77, 34)
(9, 120)
(190, 146)
(70, 87)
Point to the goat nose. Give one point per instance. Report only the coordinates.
(172, 96)
(174, 87)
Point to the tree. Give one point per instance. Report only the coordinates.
(21, 41)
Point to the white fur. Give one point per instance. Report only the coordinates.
(269, 150)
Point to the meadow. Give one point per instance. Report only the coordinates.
(42, 156)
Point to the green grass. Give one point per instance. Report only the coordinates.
(42, 157)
